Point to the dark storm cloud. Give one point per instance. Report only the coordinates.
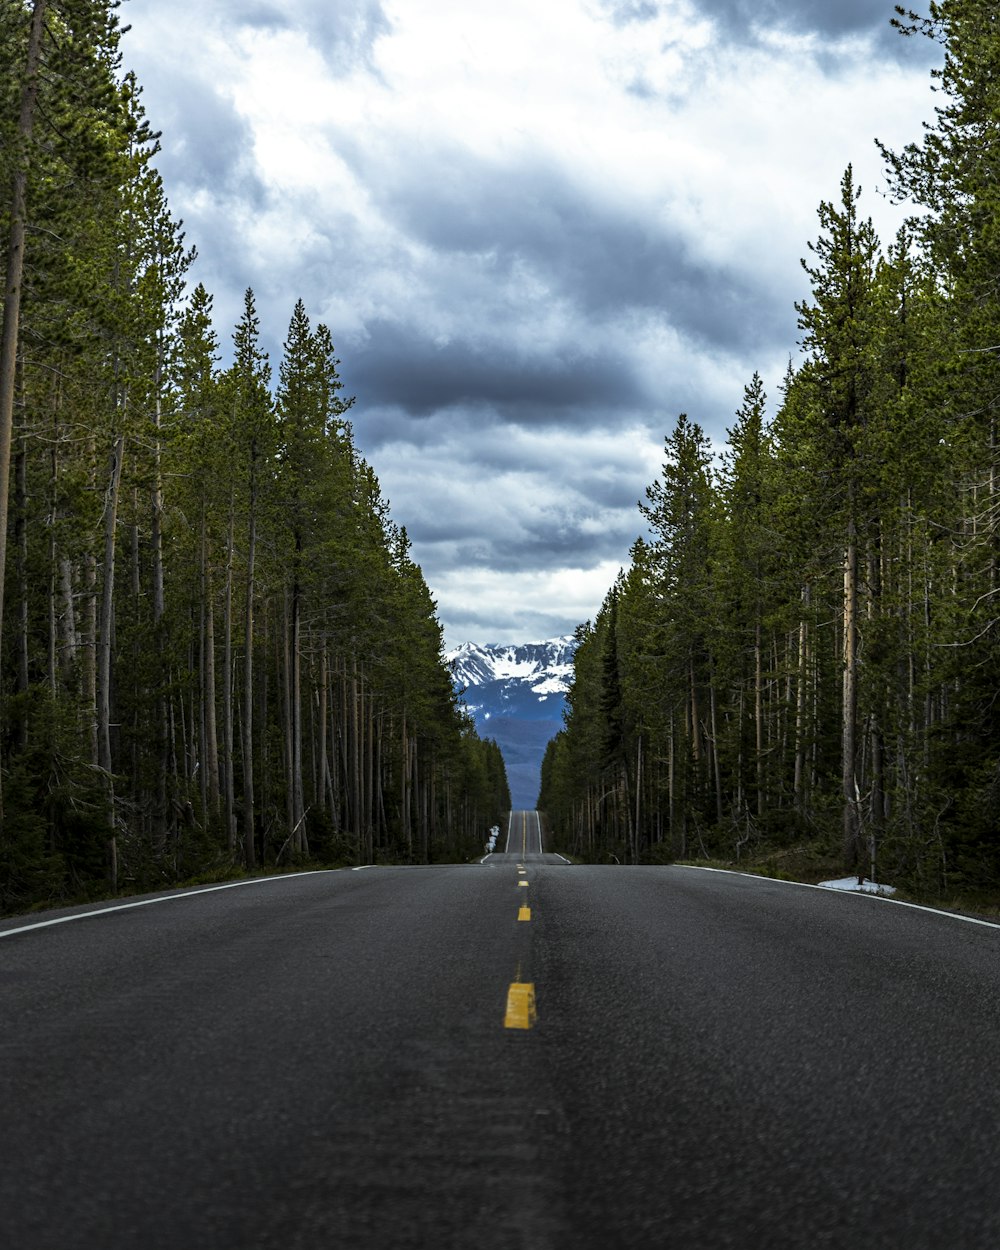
(594, 255)
(738, 20)
(606, 262)
(552, 538)
(399, 365)
(830, 17)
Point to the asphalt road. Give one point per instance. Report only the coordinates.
(351, 1059)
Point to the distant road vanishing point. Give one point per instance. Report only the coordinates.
(514, 1054)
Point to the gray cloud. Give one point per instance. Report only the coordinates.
(553, 540)
(624, 12)
(348, 30)
(205, 142)
(399, 365)
(344, 31)
(602, 261)
(519, 336)
(739, 20)
(259, 16)
(480, 494)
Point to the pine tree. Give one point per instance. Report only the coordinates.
(198, 455)
(950, 177)
(748, 576)
(252, 426)
(681, 512)
(840, 337)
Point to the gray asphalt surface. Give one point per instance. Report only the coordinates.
(321, 1061)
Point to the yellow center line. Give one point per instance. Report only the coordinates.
(521, 1013)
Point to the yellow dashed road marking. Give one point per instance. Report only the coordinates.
(521, 1013)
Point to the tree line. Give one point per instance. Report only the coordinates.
(806, 646)
(216, 648)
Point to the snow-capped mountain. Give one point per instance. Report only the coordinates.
(496, 676)
(516, 695)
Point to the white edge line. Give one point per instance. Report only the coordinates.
(167, 898)
(805, 885)
(562, 857)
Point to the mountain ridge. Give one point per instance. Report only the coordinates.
(516, 694)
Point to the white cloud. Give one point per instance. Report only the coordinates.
(493, 606)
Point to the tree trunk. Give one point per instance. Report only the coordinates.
(849, 713)
(90, 654)
(249, 817)
(156, 517)
(355, 761)
(405, 797)
(298, 801)
(758, 712)
(228, 744)
(714, 760)
(695, 743)
(105, 623)
(210, 748)
(21, 536)
(70, 644)
(370, 779)
(638, 796)
(283, 654)
(15, 270)
(800, 707)
(163, 714)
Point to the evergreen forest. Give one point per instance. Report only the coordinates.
(802, 661)
(217, 653)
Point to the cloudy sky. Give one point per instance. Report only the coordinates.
(537, 229)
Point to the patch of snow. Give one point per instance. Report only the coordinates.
(851, 883)
(506, 667)
(551, 685)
